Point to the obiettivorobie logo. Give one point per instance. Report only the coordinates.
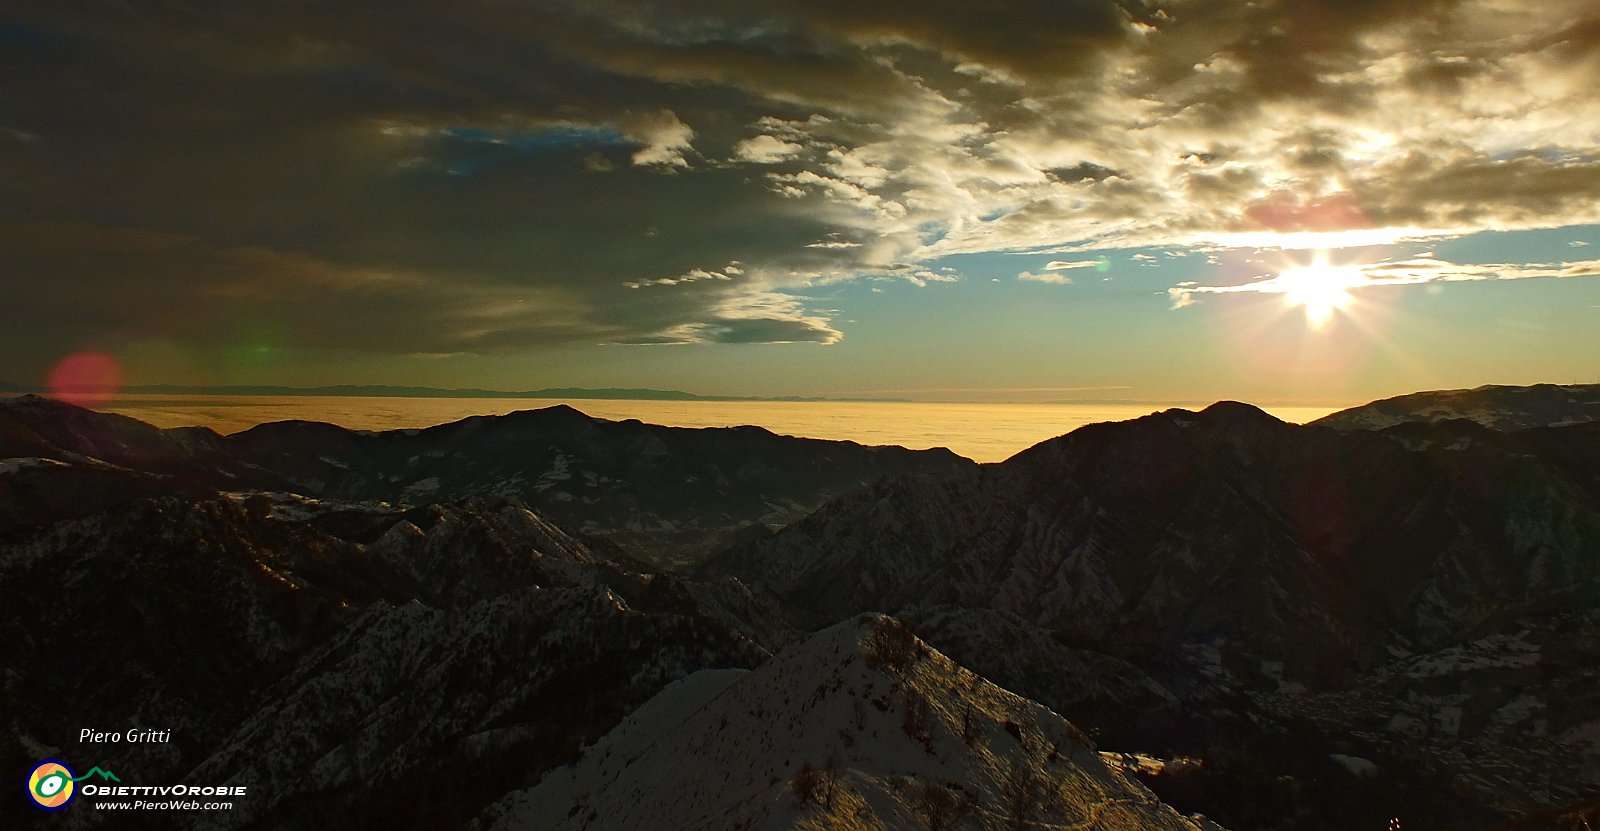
(52, 786)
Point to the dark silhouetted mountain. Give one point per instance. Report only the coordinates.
(1225, 522)
(59, 461)
(31, 426)
(1503, 408)
(1222, 563)
(670, 494)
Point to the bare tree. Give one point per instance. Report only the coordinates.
(940, 806)
(1023, 794)
(891, 644)
(830, 773)
(818, 786)
(807, 784)
(918, 719)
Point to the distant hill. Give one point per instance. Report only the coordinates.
(678, 494)
(1498, 407)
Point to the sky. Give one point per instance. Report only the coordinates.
(1310, 201)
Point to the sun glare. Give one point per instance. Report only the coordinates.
(1320, 289)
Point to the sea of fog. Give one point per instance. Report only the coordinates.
(984, 432)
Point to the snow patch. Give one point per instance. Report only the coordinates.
(1493, 652)
(1357, 766)
(14, 465)
(421, 489)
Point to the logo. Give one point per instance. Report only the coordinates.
(52, 786)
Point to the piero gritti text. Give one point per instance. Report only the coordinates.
(133, 735)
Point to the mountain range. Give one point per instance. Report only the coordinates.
(672, 495)
(1246, 580)
(544, 620)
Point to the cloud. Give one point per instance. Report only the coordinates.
(1407, 272)
(765, 149)
(765, 317)
(693, 275)
(664, 137)
(1053, 279)
(1064, 265)
(499, 164)
(119, 284)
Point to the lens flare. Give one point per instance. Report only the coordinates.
(86, 379)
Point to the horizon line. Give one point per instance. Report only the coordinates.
(643, 394)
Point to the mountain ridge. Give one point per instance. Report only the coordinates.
(935, 745)
(1501, 407)
(672, 493)
(1229, 568)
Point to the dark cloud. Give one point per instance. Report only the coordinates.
(1034, 39)
(117, 284)
(490, 176)
(1520, 189)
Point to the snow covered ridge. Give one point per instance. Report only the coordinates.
(14, 465)
(861, 726)
(1496, 407)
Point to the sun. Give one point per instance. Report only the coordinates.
(1319, 288)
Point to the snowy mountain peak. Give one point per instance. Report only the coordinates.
(862, 725)
(1499, 407)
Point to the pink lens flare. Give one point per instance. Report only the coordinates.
(86, 379)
